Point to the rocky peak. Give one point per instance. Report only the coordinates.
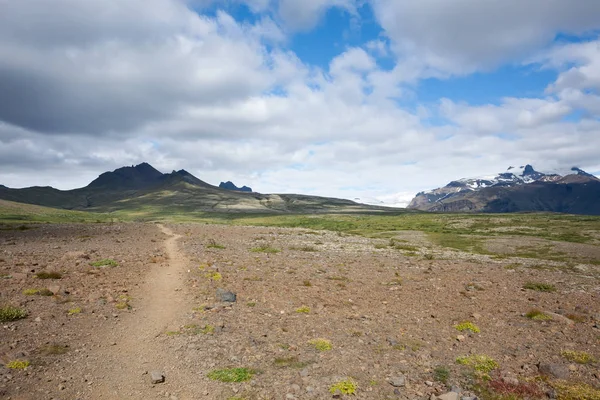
(134, 177)
(231, 186)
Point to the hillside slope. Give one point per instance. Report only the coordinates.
(142, 187)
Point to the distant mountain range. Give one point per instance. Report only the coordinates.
(230, 186)
(519, 189)
(144, 189)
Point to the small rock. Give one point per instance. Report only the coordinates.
(456, 389)
(429, 383)
(61, 387)
(55, 289)
(157, 377)
(510, 380)
(397, 392)
(38, 319)
(448, 396)
(397, 381)
(226, 296)
(461, 338)
(476, 316)
(556, 370)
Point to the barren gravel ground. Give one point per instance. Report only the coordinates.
(386, 314)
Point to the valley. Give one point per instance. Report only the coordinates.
(389, 307)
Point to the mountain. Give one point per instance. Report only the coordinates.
(230, 186)
(134, 177)
(516, 190)
(148, 192)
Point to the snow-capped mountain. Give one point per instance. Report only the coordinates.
(475, 194)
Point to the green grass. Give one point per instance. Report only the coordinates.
(570, 228)
(231, 375)
(540, 287)
(467, 326)
(462, 232)
(441, 374)
(38, 292)
(575, 391)
(265, 249)
(347, 386)
(18, 364)
(303, 310)
(10, 313)
(290, 362)
(579, 357)
(48, 275)
(19, 216)
(321, 344)
(304, 248)
(107, 262)
(214, 276)
(538, 315)
(479, 362)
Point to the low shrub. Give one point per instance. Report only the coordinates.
(11, 313)
(231, 374)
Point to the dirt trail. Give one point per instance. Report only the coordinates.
(137, 344)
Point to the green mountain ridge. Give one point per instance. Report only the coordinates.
(145, 189)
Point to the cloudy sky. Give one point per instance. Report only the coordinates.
(345, 98)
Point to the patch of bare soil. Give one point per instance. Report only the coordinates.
(386, 315)
(96, 334)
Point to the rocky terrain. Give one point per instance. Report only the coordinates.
(516, 190)
(289, 313)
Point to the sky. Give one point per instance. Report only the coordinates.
(370, 99)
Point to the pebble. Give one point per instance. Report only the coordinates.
(448, 396)
(157, 377)
(556, 370)
(397, 381)
(226, 296)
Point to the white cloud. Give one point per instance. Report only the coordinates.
(305, 14)
(439, 37)
(82, 91)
